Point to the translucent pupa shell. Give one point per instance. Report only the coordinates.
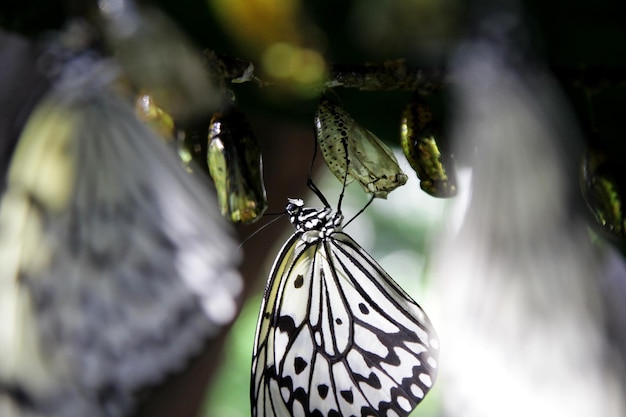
(353, 152)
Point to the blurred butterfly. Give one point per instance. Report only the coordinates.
(353, 152)
(116, 269)
(336, 336)
(235, 164)
(526, 293)
(423, 144)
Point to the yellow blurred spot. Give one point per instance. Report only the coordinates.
(312, 67)
(259, 22)
(292, 64)
(273, 32)
(279, 60)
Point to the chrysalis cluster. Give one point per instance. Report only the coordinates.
(424, 144)
(353, 152)
(227, 148)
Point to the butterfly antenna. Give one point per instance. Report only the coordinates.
(344, 142)
(309, 180)
(360, 211)
(256, 232)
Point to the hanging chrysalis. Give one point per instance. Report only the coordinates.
(346, 145)
(603, 192)
(235, 164)
(422, 142)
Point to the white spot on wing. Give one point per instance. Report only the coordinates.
(417, 391)
(432, 362)
(426, 380)
(404, 404)
(391, 413)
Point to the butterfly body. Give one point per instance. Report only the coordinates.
(336, 335)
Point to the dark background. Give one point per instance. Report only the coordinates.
(573, 38)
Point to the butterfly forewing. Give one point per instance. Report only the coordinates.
(337, 336)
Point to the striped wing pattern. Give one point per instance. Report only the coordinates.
(337, 336)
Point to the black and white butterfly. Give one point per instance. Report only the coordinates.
(336, 336)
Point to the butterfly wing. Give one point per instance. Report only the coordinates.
(116, 264)
(338, 337)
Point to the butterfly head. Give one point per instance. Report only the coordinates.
(315, 222)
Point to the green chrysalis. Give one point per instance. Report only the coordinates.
(422, 141)
(235, 164)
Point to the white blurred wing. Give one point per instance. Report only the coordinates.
(521, 296)
(116, 265)
(338, 337)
